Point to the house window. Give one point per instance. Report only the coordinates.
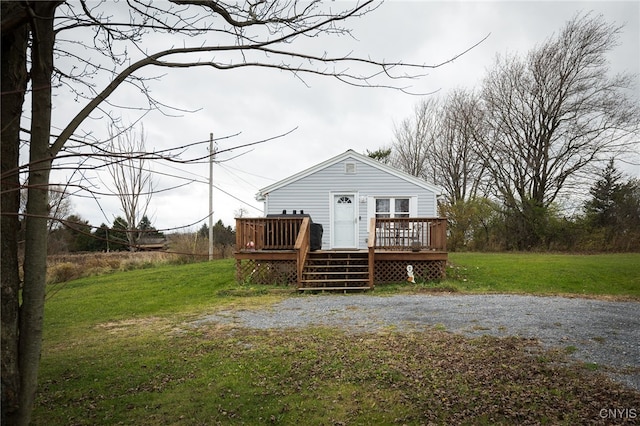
(392, 207)
(401, 207)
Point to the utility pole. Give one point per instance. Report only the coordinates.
(211, 156)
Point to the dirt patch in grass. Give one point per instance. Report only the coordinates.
(135, 326)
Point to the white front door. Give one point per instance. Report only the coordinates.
(344, 221)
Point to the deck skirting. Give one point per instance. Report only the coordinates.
(268, 267)
(394, 271)
(266, 271)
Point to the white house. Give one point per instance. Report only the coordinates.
(344, 192)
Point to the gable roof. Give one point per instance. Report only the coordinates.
(260, 196)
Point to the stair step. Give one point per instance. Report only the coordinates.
(330, 259)
(332, 288)
(365, 267)
(338, 267)
(336, 277)
(337, 260)
(343, 256)
(336, 271)
(322, 279)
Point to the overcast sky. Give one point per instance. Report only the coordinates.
(331, 117)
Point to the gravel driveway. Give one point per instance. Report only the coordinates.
(602, 332)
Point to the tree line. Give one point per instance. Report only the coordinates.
(527, 160)
(75, 234)
(68, 232)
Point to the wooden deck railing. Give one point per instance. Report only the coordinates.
(408, 234)
(303, 246)
(283, 233)
(268, 233)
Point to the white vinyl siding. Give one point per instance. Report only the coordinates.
(313, 194)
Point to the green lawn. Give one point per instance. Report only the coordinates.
(158, 291)
(118, 349)
(535, 273)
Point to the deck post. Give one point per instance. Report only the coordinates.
(371, 245)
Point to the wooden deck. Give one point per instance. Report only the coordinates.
(277, 251)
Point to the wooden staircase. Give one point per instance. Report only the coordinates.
(335, 270)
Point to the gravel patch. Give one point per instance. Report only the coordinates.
(601, 332)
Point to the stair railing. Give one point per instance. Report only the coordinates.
(302, 246)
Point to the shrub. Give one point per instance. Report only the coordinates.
(62, 268)
(192, 247)
(63, 272)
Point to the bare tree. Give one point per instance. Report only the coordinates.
(550, 116)
(59, 205)
(458, 167)
(132, 178)
(36, 35)
(413, 137)
(241, 212)
(439, 141)
(14, 83)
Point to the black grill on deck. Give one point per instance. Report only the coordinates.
(315, 228)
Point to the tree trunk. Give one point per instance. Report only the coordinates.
(14, 84)
(40, 160)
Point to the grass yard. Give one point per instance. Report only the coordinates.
(539, 273)
(119, 349)
(161, 290)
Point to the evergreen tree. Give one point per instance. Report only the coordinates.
(382, 155)
(605, 195)
(203, 232)
(614, 209)
(223, 235)
(79, 234)
(146, 230)
(100, 238)
(118, 235)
